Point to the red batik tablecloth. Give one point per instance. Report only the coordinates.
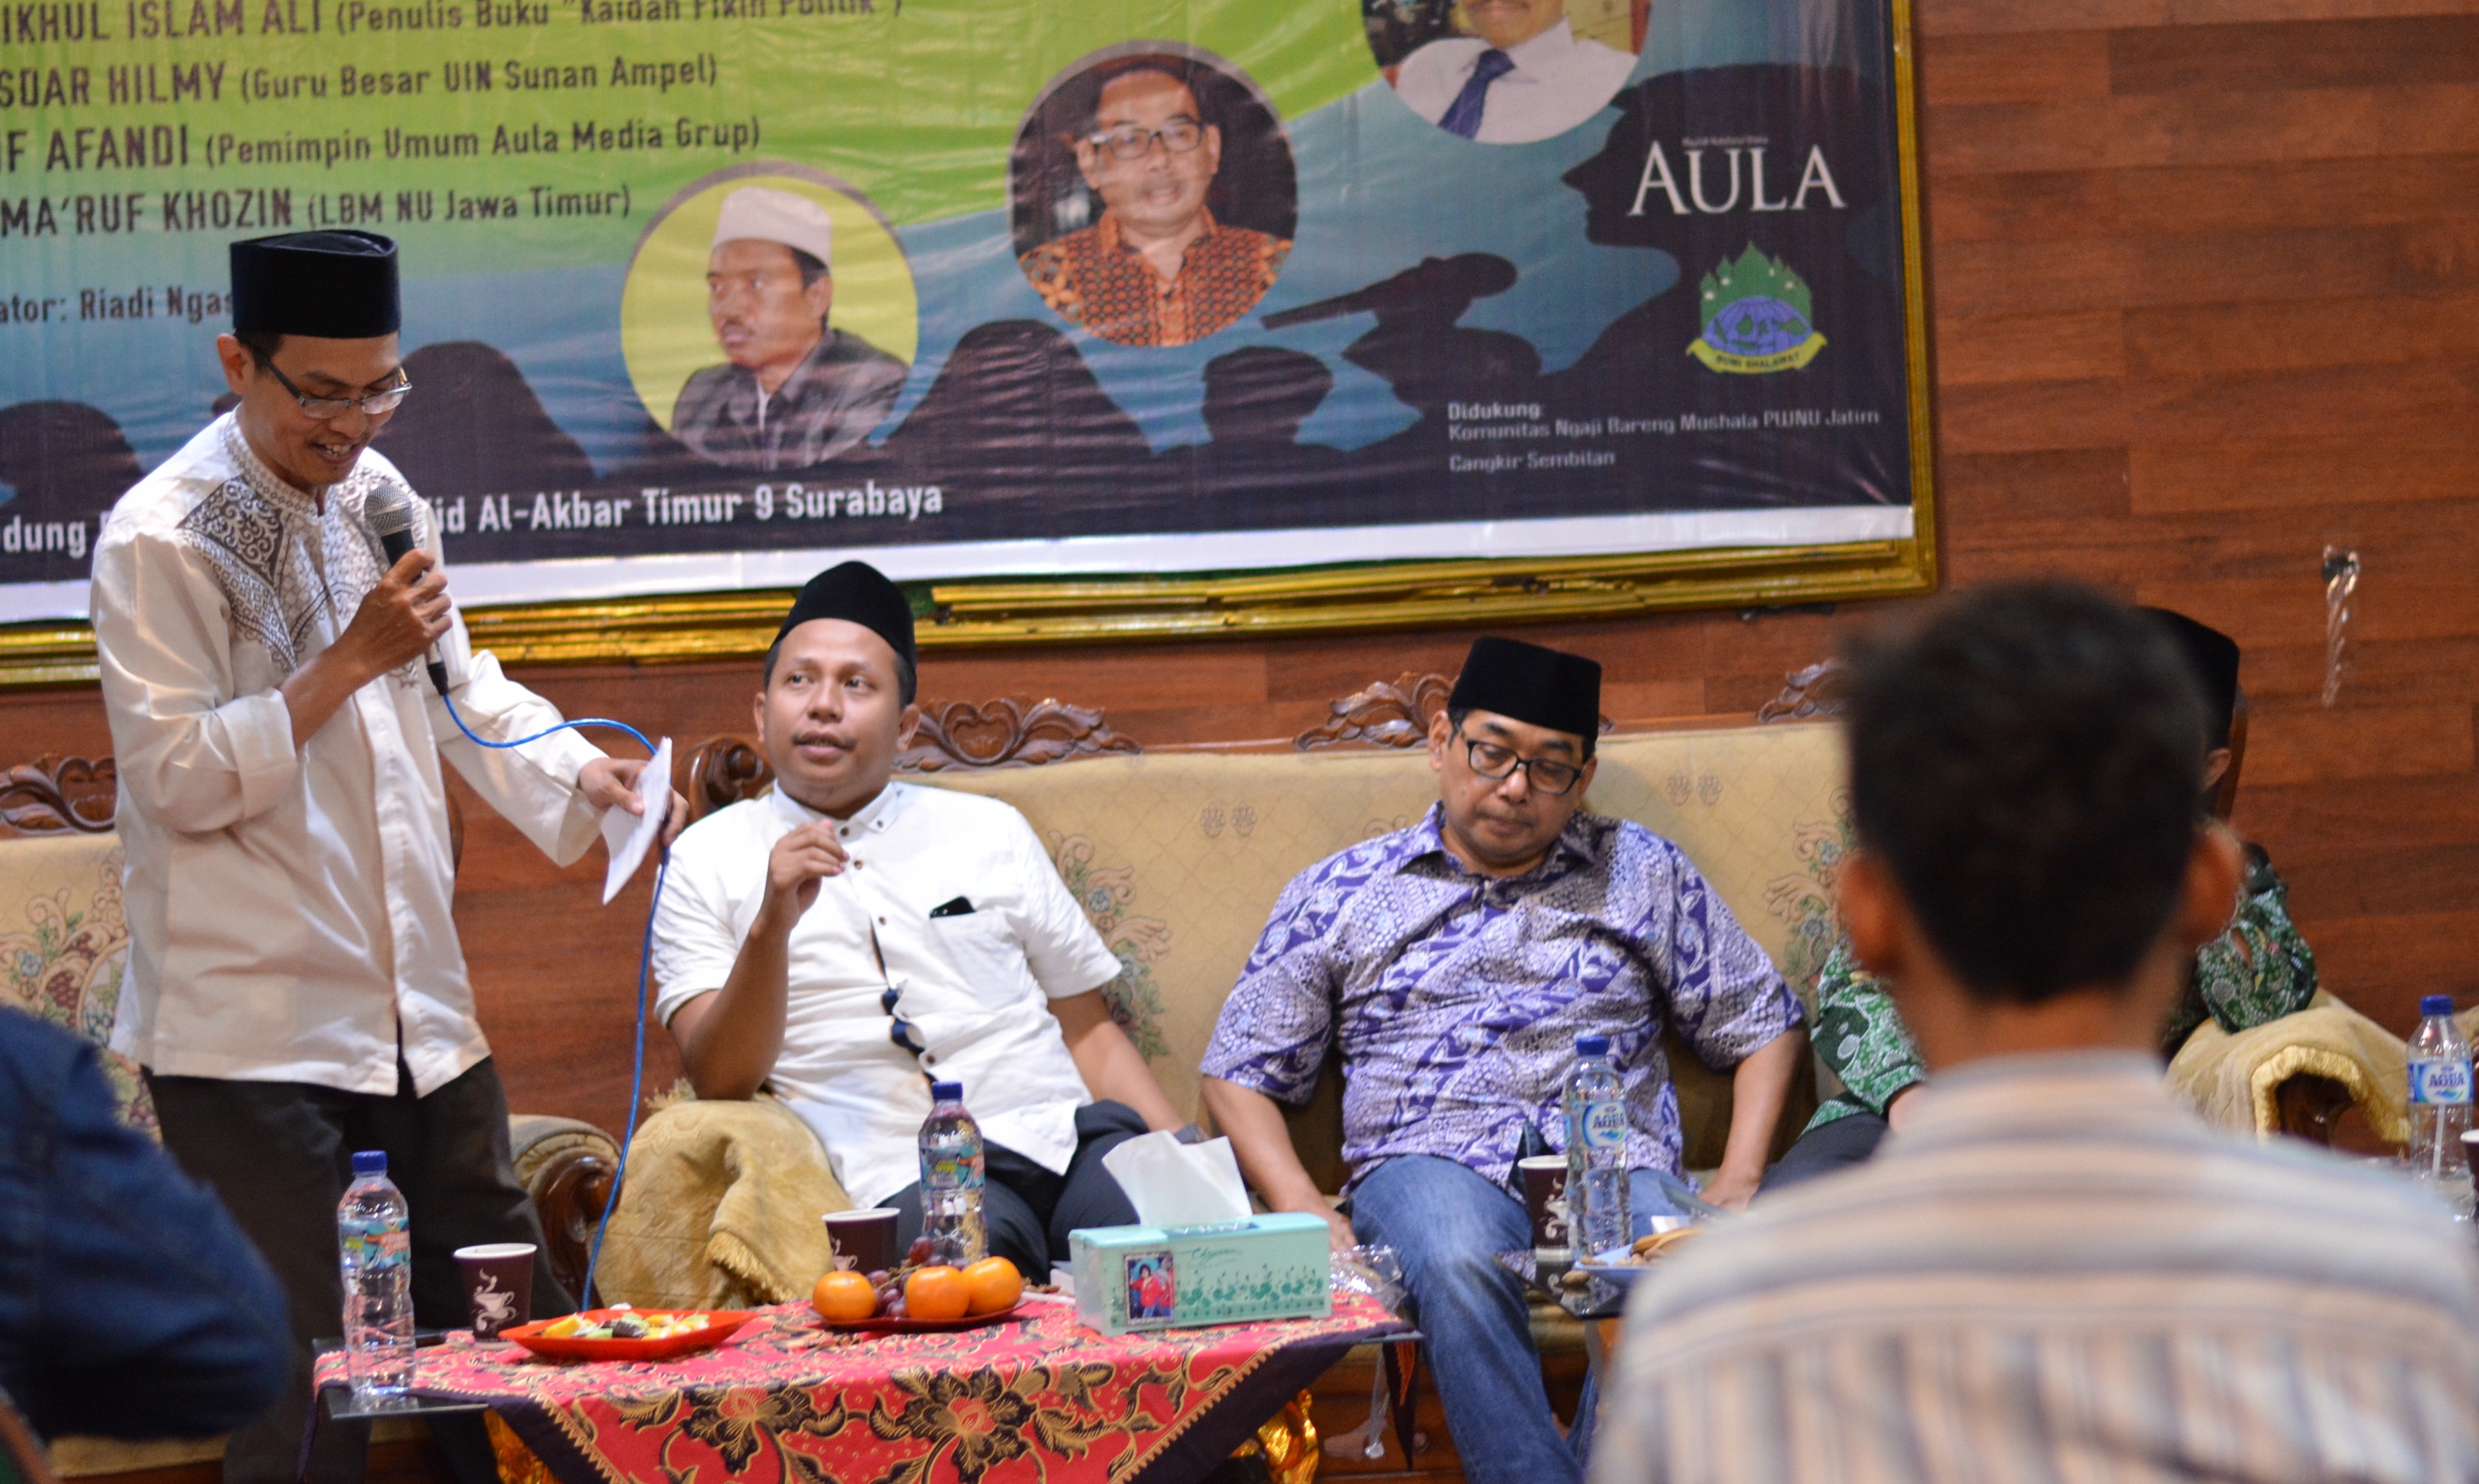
(782, 1402)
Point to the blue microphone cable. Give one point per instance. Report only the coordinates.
(645, 962)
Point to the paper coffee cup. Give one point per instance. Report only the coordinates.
(862, 1240)
(499, 1285)
(1544, 1203)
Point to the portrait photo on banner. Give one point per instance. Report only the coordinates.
(1611, 294)
(1152, 195)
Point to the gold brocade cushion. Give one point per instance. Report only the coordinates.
(64, 946)
(2235, 1080)
(720, 1209)
(1179, 856)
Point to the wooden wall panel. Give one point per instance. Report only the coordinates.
(2204, 283)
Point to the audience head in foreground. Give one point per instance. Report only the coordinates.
(2024, 770)
(2257, 971)
(1451, 967)
(845, 938)
(2052, 1270)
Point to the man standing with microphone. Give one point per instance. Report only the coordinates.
(295, 991)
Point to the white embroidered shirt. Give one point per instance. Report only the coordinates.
(289, 911)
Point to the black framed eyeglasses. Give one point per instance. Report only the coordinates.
(326, 409)
(1133, 141)
(1493, 761)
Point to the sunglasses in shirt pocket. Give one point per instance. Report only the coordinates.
(988, 958)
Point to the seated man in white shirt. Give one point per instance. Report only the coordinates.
(845, 940)
(1522, 74)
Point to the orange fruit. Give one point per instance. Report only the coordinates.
(843, 1297)
(994, 1285)
(936, 1293)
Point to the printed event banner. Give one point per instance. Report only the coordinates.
(702, 293)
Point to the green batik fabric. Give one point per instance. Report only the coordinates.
(2257, 972)
(1862, 1039)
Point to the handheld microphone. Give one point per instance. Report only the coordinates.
(388, 514)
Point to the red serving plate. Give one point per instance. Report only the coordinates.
(720, 1324)
(886, 1324)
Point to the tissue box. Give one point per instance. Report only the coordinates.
(1270, 1266)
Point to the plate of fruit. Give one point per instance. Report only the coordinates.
(919, 1296)
(623, 1332)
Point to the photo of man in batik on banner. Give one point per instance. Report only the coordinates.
(1152, 195)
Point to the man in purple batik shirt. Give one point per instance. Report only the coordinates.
(1452, 965)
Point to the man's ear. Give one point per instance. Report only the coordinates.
(906, 726)
(234, 357)
(2217, 766)
(820, 297)
(757, 715)
(1441, 733)
(1088, 163)
(2214, 868)
(1872, 908)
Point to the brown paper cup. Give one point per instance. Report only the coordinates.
(863, 1240)
(499, 1285)
(1545, 1202)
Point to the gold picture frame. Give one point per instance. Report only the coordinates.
(1361, 597)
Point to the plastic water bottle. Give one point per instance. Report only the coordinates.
(1596, 1151)
(951, 1179)
(375, 1242)
(2439, 1102)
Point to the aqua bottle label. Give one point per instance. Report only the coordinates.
(1605, 1126)
(2444, 1080)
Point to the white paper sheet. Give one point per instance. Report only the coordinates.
(1172, 1184)
(628, 836)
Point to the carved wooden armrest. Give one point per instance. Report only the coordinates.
(55, 795)
(2312, 1106)
(567, 1166)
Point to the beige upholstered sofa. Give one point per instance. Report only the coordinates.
(1177, 858)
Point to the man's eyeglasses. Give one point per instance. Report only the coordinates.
(329, 408)
(1493, 761)
(1133, 141)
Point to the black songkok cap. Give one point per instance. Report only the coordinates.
(331, 285)
(2214, 657)
(858, 593)
(1530, 684)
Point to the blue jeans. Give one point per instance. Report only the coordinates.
(1447, 1223)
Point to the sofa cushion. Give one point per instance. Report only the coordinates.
(720, 1209)
(1179, 856)
(64, 946)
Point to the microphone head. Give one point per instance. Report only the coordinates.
(388, 511)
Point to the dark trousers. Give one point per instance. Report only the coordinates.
(281, 1154)
(1847, 1141)
(1029, 1210)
